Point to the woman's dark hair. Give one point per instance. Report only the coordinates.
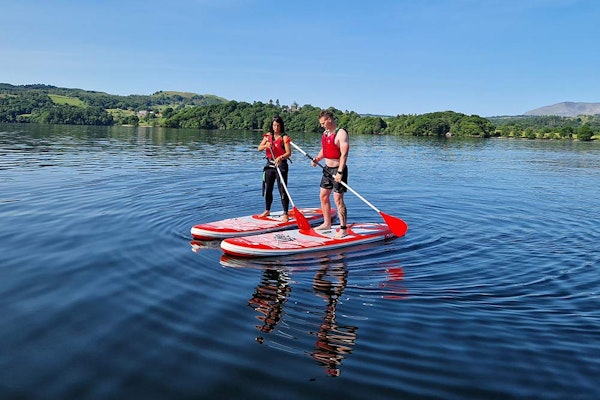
(279, 120)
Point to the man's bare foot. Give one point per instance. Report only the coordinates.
(285, 218)
(323, 227)
(266, 213)
(340, 233)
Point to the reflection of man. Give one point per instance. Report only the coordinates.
(333, 341)
(269, 297)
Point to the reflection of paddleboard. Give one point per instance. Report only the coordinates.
(198, 245)
(296, 242)
(253, 224)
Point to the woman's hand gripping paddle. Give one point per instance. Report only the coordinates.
(398, 226)
(301, 220)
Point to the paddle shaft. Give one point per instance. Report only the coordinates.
(301, 220)
(281, 179)
(397, 226)
(342, 182)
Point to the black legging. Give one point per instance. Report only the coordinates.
(271, 176)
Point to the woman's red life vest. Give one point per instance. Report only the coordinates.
(276, 145)
(330, 150)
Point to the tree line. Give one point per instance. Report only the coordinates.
(35, 104)
(257, 116)
(582, 127)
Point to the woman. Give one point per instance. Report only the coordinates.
(276, 145)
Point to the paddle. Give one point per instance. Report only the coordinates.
(301, 220)
(398, 226)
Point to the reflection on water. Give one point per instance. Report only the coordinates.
(199, 245)
(394, 289)
(334, 341)
(268, 299)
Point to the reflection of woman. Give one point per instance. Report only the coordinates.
(276, 145)
(269, 297)
(333, 341)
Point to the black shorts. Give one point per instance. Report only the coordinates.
(328, 182)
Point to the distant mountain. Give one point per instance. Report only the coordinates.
(567, 109)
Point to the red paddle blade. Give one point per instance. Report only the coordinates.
(397, 226)
(301, 220)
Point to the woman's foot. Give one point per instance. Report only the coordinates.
(266, 213)
(285, 218)
(323, 227)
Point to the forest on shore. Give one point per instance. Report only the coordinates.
(45, 104)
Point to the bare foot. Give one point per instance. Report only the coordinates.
(340, 233)
(266, 213)
(323, 227)
(285, 218)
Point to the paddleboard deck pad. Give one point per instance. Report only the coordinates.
(253, 224)
(293, 242)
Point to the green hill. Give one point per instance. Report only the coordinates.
(51, 104)
(106, 100)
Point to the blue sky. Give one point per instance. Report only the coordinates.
(484, 57)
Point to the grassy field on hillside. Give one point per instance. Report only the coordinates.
(73, 101)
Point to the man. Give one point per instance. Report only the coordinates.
(334, 150)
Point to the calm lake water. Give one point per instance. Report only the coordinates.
(493, 293)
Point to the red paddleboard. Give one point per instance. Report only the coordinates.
(293, 242)
(253, 224)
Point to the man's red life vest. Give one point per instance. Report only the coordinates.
(330, 150)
